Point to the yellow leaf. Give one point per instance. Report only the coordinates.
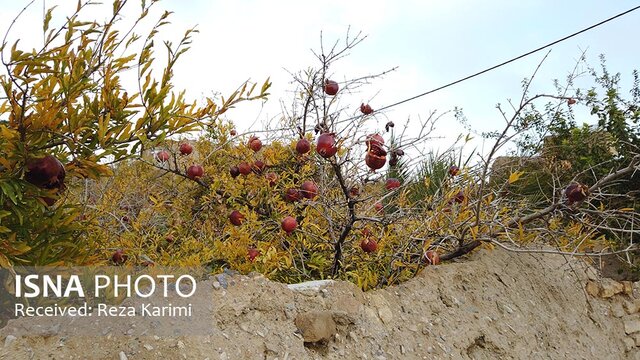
(5, 264)
(515, 176)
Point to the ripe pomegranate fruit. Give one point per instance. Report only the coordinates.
(162, 156)
(326, 145)
(47, 172)
(303, 146)
(292, 195)
(272, 178)
(454, 170)
(330, 87)
(369, 245)
(255, 144)
(394, 160)
(233, 132)
(432, 257)
(576, 193)
(49, 201)
(366, 232)
(258, 167)
(119, 257)
(459, 198)
(379, 207)
(244, 168)
(365, 109)
(309, 189)
(253, 253)
(354, 191)
(236, 218)
(571, 101)
(234, 171)
(389, 125)
(194, 172)
(289, 224)
(392, 183)
(374, 141)
(185, 149)
(373, 161)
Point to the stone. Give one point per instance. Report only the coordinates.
(310, 286)
(9, 339)
(627, 288)
(631, 325)
(636, 289)
(636, 339)
(148, 347)
(632, 307)
(316, 326)
(382, 306)
(592, 288)
(617, 310)
(592, 273)
(610, 288)
(122, 356)
(629, 344)
(385, 314)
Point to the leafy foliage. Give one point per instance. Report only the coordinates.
(69, 99)
(127, 187)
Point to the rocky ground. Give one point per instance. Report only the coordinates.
(493, 305)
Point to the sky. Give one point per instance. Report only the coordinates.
(431, 42)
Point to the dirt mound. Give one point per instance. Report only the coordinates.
(491, 306)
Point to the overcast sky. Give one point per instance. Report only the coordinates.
(431, 42)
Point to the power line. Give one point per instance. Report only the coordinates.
(509, 61)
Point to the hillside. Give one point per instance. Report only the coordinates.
(494, 305)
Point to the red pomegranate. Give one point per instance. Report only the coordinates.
(374, 141)
(289, 224)
(47, 172)
(373, 161)
(576, 193)
(309, 189)
(369, 245)
(119, 257)
(365, 109)
(236, 218)
(292, 195)
(379, 207)
(258, 167)
(195, 171)
(253, 253)
(185, 149)
(244, 168)
(392, 183)
(460, 197)
(331, 87)
(162, 156)
(303, 146)
(432, 257)
(326, 145)
(234, 171)
(254, 143)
